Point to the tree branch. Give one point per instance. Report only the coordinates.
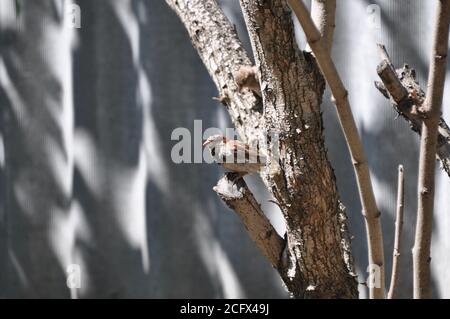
(398, 234)
(317, 261)
(431, 111)
(323, 13)
(340, 94)
(223, 55)
(238, 197)
(406, 96)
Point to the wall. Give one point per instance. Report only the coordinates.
(86, 175)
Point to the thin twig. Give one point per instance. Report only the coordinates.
(398, 234)
(340, 94)
(431, 111)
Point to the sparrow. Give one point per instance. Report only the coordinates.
(247, 77)
(235, 155)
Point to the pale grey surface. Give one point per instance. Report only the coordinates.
(139, 225)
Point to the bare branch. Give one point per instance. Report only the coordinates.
(431, 111)
(392, 83)
(384, 54)
(238, 197)
(323, 13)
(398, 234)
(340, 94)
(402, 88)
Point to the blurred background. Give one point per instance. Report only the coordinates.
(86, 177)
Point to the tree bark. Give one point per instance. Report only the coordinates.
(359, 160)
(305, 186)
(317, 261)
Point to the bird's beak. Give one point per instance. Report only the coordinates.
(206, 142)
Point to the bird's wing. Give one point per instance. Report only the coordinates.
(243, 151)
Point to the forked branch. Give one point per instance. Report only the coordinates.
(323, 13)
(340, 94)
(323, 268)
(431, 111)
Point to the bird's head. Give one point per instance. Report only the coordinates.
(214, 140)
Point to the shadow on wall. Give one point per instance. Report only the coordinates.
(35, 127)
(138, 224)
(109, 158)
(3, 234)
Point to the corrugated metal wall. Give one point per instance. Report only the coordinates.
(97, 106)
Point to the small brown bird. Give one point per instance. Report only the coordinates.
(235, 155)
(247, 77)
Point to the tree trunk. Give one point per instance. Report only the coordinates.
(318, 262)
